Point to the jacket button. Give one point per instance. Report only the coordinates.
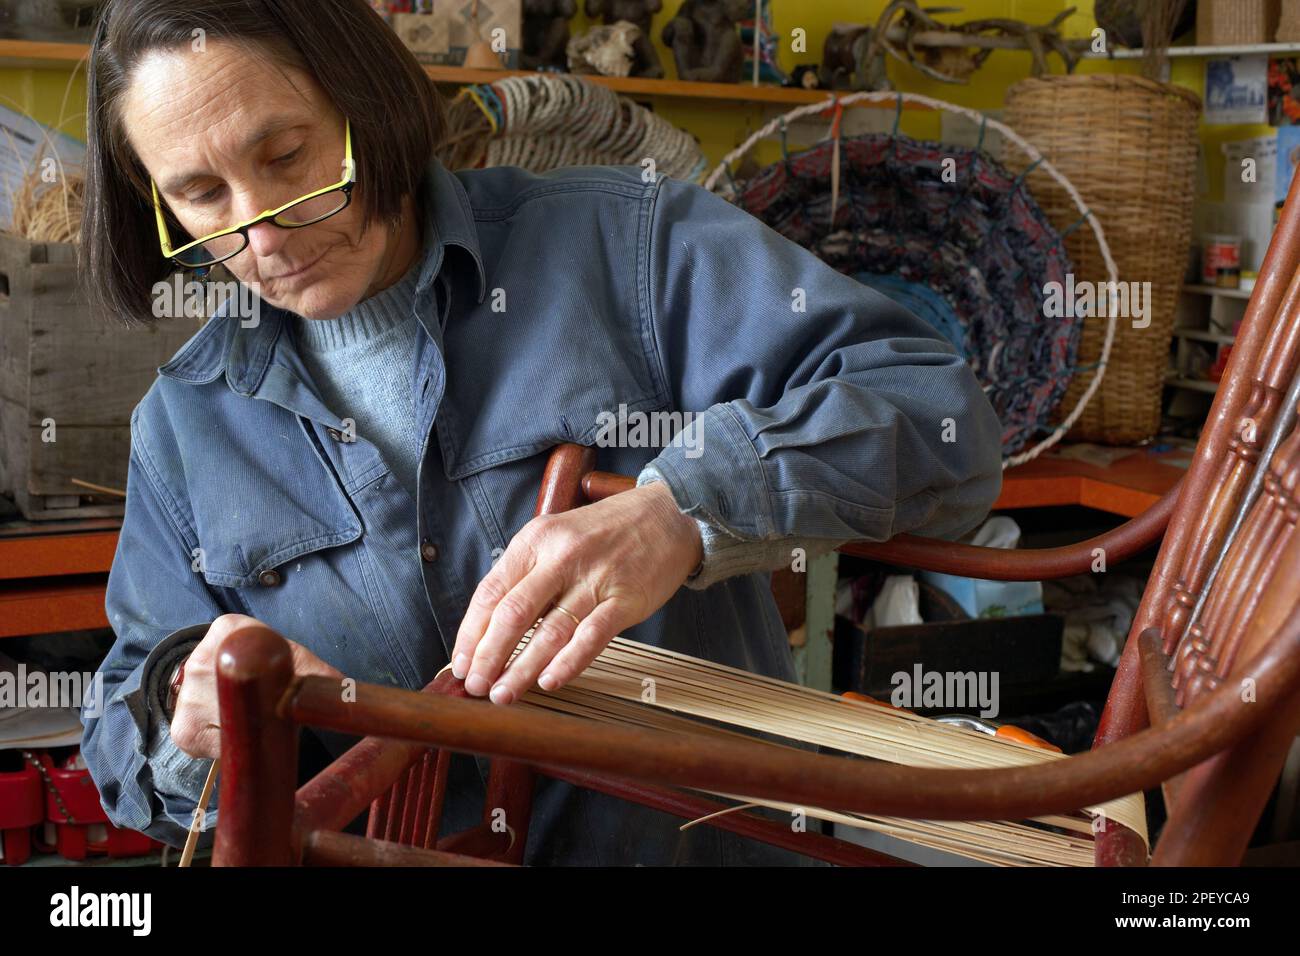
(269, 578)
(428, 551)
(334, 433)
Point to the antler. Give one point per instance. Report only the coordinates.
(904, 23)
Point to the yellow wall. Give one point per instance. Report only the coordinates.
(55, 97)
(986, 89)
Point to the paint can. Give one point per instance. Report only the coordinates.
(1221, 261)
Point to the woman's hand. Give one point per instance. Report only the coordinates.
(610, 564)
(195, 725)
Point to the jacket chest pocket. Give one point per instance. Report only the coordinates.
(330, 601)
(285, 543)
(501, 459)
(265, 514)
(520, 382)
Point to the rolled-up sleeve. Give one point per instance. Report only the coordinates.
(825, 411)
(159, 607)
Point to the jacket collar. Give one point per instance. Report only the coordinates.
(243, 351)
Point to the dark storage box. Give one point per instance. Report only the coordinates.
(1021, 650)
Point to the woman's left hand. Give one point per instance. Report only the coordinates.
(610, 564)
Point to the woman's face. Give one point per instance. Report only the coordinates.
(227, 136)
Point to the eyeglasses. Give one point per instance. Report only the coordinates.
(304, 211)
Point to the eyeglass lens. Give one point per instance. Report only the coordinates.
(299, 214)
(313, 210)
(213, 250)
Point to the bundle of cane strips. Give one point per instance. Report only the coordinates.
(693, 696)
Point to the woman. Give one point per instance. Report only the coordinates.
(352, 456)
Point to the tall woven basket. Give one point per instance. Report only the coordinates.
(1129, 145)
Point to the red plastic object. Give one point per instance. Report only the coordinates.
(21, 808)
(88, 831)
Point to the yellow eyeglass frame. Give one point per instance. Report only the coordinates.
(345, 186)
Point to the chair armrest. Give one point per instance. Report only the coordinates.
(1023, 564)
(991, 564)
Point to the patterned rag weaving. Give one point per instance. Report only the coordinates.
(971, 256)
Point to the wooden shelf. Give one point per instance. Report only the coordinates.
(53, 574)
(1201, 335)
(638, 86)
(55, 548)
(31, 54)
(1195, 51)
(1192, 384)
(1127, 487)
(1215, 291)
(48, 605)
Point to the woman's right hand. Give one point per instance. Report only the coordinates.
(195, 723)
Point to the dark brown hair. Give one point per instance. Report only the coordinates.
(397, 117)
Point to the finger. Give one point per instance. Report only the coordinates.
(209, 742)
(509, 570)
(195, 738)
(551, 636)
(514, 615)
(590, 638)
(307, 663)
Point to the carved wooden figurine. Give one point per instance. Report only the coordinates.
(705, 42)
(546, 33)
(844, 63)
(646, 61)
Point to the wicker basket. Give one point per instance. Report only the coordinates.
(1288, 24)
(1229, 22)
(1130, 146)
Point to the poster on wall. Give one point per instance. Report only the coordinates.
(1288, 156)
(1283, 91)
(1236, 90)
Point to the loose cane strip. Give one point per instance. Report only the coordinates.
(196, 824)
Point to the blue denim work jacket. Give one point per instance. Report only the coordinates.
(546, 303)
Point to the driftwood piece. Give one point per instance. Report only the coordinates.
(949, 53)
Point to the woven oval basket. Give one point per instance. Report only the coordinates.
(1129, 145)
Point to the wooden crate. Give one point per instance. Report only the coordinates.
(84, 373)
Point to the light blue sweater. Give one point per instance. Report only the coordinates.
(361, 364)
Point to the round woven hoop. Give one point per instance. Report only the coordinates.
(1036, 160)
(1130, 147)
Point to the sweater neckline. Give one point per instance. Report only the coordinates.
(369, 318)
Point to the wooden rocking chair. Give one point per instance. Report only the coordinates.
(1205, 704)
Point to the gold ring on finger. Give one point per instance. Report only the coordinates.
(565, 611)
